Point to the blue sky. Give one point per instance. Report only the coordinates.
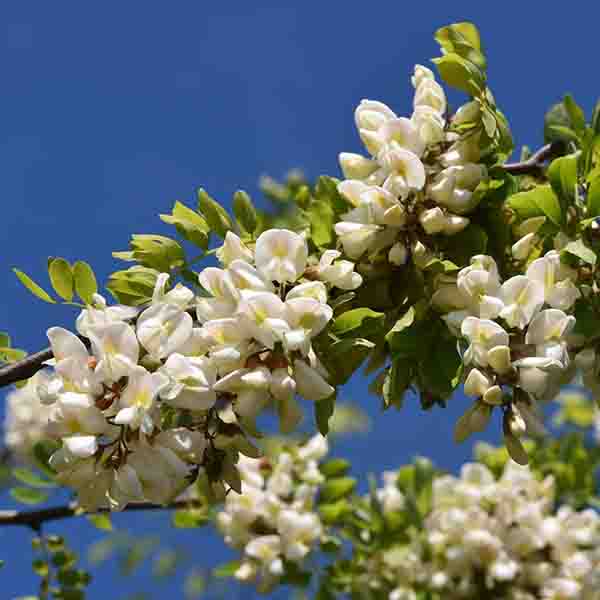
(111, 111)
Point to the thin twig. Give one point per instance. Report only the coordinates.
(535, 163)
(34, 518)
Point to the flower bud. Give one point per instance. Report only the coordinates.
(355, 166)
(521, 249)
(499, 359)
(433, 220)
(398, 254)
(467, 113)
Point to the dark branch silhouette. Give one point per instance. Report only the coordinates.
(35, 518)
(535, 163)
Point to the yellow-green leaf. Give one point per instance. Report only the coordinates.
(33, 287)
(101, 521)
(61, 277)
(85, 281)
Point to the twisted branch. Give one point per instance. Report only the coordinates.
(35, 518)
(535, 163)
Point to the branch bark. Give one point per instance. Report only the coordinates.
(35, 518)
(535, 163)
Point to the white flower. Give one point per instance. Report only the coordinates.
(356, 238)
(310, 289)
(190, 382)
(430, 93)
(408, 172)
(280, 255)
(116, 347)
(298, 531)
(355, 166)
(98, 313)
(26, 418)
(262, 317)
(521, 249)
(233, 249)
(251, 389)
(224, 295)
(75, 414)
(339, 273)
(522, 299)
(125, 488)
(556, 280)
(548, 331)
(160, 471)
(403, 133)
(307, 317)
(398, 254)
(247, 279)
(429, 124)
(267, 550)
(137, 401)
(163, 328)
(72, 360)
(477, 384)
(483, 335)
(309, 383)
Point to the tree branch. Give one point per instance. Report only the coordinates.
(535, 163)
(35, 518)
(30, 365)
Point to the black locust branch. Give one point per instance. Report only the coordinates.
(30, 365)
(35, 518)
(535, 163)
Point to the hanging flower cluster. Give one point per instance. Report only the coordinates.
(499, 537)
(137, 411)
(273, 521)
(515, 334)
(26, 418)
(419, 181)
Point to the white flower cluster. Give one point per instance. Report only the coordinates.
(26, 417)
(516, 331)
(419, 173)
(503, 536)
(251, 346)
(273, 520)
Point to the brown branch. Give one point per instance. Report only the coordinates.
(35, 518)
(535, 163)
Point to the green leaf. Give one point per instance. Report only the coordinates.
(61, 277)
(30, 478)
(562, 174)
(397, 380)
(321, 218)
(216, 216)
(587, 321)
(343, 358)
(575, 112)
(11, 354)
(462, 39)
(101, 521)
(536, 202)
(439, 367)
(460, 73)
(593, 198)
(85, 281)
(335, 511)
(28, 495)
(42, 451)
(323, 412)
(5, 341)
(189, 518)
(33, 287)
(365, 319)
(557, 125)
(244, 211)
(227, 569)
(468, 243)
(189, 224)
(581, 251)
(336, 467)
(336, 489)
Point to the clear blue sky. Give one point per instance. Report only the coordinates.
(111, 111)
